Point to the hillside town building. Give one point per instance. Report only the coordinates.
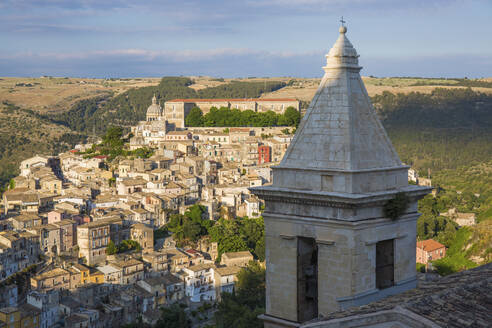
(429, 250)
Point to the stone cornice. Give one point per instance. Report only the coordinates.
(331, 199)
(286, 167)
(337, 223)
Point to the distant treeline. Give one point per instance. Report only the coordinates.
(442, 109)
(445, 129)
(441, 81)
(457, 83)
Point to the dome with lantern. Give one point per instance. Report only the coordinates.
(154, 111)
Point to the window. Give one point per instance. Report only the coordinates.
(307, 279)
(385, 268)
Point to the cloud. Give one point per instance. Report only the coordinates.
(144, 54)
(141, 62)
(71, 37)
(229, 62)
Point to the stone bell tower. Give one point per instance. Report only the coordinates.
(330, 244)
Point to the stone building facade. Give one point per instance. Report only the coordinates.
(429, 250)
(92, 239)
(240, 259)
(144, 235)
(57, 278)
(329, 243)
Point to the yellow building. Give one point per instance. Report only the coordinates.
(57, 278)
(96, 276)
(88, 275)
(51, 184)
(30, 316)
(25, 316)
(10, 316)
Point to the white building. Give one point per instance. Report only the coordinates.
(199, 282)
(413, 175)
(252, 205)
(225, 279)
(112, 274)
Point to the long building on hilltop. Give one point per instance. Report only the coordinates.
(176, 110)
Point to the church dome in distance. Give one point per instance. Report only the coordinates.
(154, 110)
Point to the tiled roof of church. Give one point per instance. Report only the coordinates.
(459, 300)
(230, 99)
(341, 130)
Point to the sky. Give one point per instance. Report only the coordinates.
(233, 38)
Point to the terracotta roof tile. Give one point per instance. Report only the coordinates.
(194, 100)
(429, 245)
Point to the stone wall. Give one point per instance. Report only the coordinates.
(346, 257)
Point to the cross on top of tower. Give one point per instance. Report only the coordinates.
(343, 28)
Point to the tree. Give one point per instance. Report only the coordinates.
(111, 248)
(292, 117)
(190, 226)
(260, 249)
(241, 309)
(128, 245)
(195, 212)
(112, 138)
(195, 117)
(240, 234)
(173, 317)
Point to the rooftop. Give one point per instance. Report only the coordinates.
(200, 267)
(231, 99)
(227, 270)
(236, 255)
(108, 269)
(459, 300)
(51, 274)
(429, 245)
(167, 279)
(125, 263)
(75, 318)
(8, 310)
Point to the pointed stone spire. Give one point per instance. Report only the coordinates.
(342, 54)
(341, 131)
(154, 100)
(330, 243)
